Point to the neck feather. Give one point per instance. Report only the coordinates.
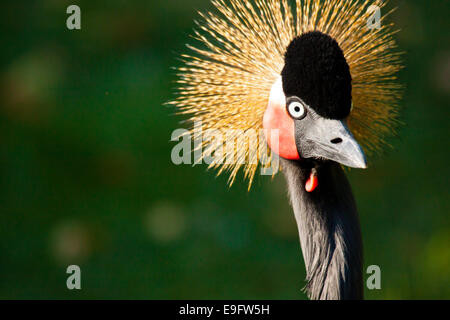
(329, 231)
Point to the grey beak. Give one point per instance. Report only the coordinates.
(332, 140)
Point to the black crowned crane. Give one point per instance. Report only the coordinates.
(323, 79)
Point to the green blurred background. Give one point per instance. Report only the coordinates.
(86, 176)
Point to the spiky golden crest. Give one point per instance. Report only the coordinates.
(226, 81)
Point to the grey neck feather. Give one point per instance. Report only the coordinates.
(329, 231)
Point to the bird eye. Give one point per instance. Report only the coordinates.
(296, 109)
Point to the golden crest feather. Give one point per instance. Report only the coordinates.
(225, 83)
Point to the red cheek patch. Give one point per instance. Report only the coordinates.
(278, 125)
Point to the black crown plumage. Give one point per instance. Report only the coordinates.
(317, 72)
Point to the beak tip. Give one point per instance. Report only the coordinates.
(362, 163)
(357, 161)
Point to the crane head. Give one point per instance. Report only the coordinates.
(312, 69)
(310, 102)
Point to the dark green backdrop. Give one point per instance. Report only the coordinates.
(86, 176)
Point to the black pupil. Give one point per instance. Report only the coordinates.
(297, 109)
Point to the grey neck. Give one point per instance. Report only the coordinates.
(329, 229)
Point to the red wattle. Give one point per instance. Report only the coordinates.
(312, 183)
